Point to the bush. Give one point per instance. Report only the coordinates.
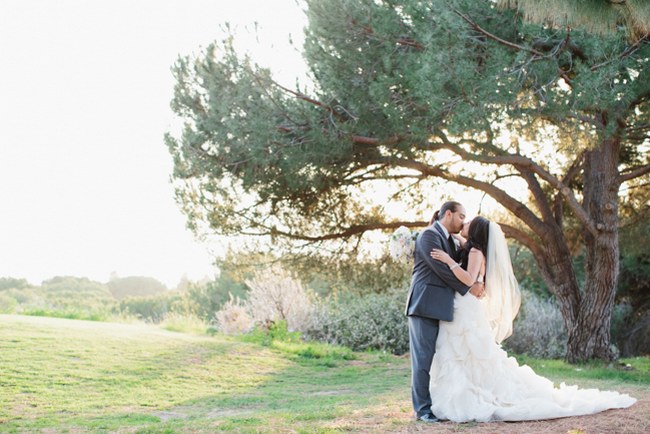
(632, 333)
(374, 321)
(268, 334)
(233, 318)
(13, 283)
(539, 329)
(135, 286)
(76, 295)
(205, 299)
(276, 296)
(7, 304)
(149, 309)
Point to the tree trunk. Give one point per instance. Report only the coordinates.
(558, 273)
(590, 335)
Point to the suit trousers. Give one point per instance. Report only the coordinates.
(423, 333)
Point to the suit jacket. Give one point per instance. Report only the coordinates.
(433, 284)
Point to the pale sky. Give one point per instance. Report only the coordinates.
(85, 88)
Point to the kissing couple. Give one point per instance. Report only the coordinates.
(461, 305)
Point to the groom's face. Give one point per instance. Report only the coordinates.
(457, 220)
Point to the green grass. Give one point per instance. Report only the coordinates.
(631, 371)
(62, 375)
(69, 314)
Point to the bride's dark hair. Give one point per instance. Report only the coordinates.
(477, 237)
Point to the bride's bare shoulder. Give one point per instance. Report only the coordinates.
(474, 252)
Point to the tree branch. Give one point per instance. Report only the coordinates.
(538, 194)
(527, 163)
(304, 97)
(494, 37)
(522, 237)
(566, 180)
(350, 231)
(513, 205)
(628, 51)
(634, 173)
(362, 140)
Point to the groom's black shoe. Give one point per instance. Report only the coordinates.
(429, 418)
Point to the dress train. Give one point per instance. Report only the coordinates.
(473, 379)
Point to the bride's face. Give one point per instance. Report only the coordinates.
(465, 231)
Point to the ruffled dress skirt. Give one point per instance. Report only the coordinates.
(473, 379)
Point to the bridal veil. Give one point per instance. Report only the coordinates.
(502, 298)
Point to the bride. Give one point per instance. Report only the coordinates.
(472, 377)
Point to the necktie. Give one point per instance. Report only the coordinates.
(452, 246)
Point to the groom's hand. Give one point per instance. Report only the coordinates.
(477, 289)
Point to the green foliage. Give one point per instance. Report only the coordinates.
(69, 313)
(74, 297)
(12, 283)
(277, 336)
(366, 322)
(539, 329)
(65, 297)
(527, 272)
(184, 323)
(350, 274)
(204, 300)
(150, 309)
(632, 331)
(406, 94)
(276, 331)
(8, 304)
(135, 286)
(396, 85)
(315, 353)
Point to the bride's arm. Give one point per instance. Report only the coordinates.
(474, 262)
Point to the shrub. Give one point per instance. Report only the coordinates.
(233, 318)
(7, 304)
(270, 333)
(205, 299)
(374, 321)
(13, 283)
(631, 332)
(149, 309)
(135, 286)
(539, 329)
(276, 296)
(76, 295)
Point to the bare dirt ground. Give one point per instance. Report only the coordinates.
(633, 420)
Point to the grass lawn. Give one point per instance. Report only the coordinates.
(61, 375)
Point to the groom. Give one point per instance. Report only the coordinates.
(431, 299)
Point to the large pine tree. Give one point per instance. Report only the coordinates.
(406, 92)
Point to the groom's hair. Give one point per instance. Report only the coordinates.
(450, 205)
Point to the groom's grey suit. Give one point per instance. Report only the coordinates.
(430, 299)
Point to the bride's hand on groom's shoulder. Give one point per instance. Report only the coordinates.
(442, 256)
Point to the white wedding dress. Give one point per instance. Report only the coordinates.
(473, 379)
